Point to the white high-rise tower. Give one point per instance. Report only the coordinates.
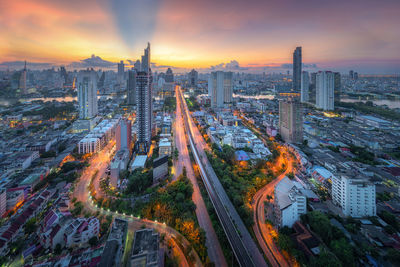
(87, 94)
(305, 86)
(325, 84)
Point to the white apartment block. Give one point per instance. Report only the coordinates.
(289, 203)
(325, 86)
(356, 196)
(220, 88)
(80, 231)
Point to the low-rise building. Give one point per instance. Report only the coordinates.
(146, 251)
(115, 244)
(160, 168)
(289, 203)
(80, 231)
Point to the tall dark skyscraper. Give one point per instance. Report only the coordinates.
(22, 81)
(291, 120)
(131, 88)
(297, 69)
(169, 76)
(144, 105)
(193, 77)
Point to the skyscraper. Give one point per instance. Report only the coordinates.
(220, 88)
(291, 120)
(121, 72)
(297, 69)
(137, 65)
(131, 88)
(124, 134)
(144, 105)
(305, 86)
(87, 94)
(325, 90)
(169, 76)
(22, 81)
(193, 77)
(338, 86)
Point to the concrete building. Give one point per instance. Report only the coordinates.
(115, 245)
(144, 106)
(139, 162)
(193, 77)
(165, 147)
(169, 76)
(160, 168)
(146, 250)
(98, 137)
(297, 65)
(87, 94)
(80, 231)
(131, 88)
(354, 194)
(289, 202)
(291, 120)
(3, 201)
(325, 85)
(118, 164)
(338, 86)
(220, 89)
(305, 86)
(124, 134)
(22, 81)
(121, 73)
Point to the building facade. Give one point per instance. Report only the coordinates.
(220, 88)
(124, 134)
(87, 94)
(356, 196)
(325, 84)
(144, 105)
(193, 77)
(291, 120)
(297, 64)
(305, 87)
(131, 88)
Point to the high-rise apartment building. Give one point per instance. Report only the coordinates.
(220, 88)
(131, 88)
(144, 103)
(356, 196)
(124, 134)
(305, 86)
(291, 120)
(325, 85)
(121, 73)
(87, 94)
(22, 81)
(297, 69)
(337, 86)
(169, 76)
(193, 77)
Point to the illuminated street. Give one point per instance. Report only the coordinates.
(213, 247)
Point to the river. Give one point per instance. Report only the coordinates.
(379, 102)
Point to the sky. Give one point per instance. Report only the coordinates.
(241, 35)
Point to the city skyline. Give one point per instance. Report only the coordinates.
(251, 37)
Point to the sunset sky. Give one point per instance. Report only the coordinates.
(340, 34)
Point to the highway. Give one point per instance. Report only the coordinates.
(213, 247)
(243, 246)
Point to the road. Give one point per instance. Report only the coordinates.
(99, 162)
(243, 246)
(213, 247)
(261, 229)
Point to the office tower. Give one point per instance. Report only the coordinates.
(220, 88)
(22, 81)
(193, 77)
(305, 86)
(131, 88)
(121, 72)
(169, 76)
(124, 134)
(291, 120)
(137, 65)
(100, 84)
(355, 76)
(145, 64)
(337, 86)
(325, 85)
(297, 70)
(144, 105)
(351, 74)
(87, 94)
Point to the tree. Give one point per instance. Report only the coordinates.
(58, 249)
(30, 226)
(93, 241)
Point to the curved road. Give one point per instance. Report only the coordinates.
(99, 162)
(260, 227)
